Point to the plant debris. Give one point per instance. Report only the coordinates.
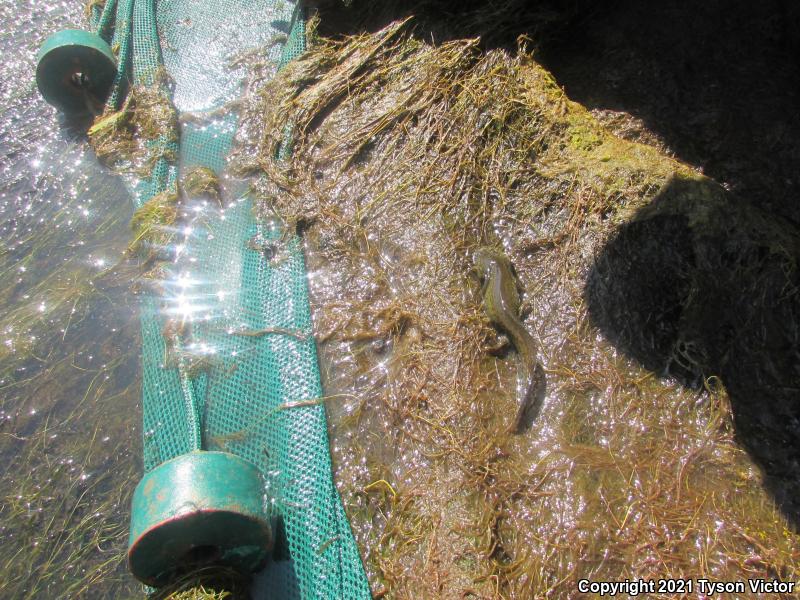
(142, 131)
(201, 181)
(153, 225)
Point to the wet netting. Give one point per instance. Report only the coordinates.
(229, 361)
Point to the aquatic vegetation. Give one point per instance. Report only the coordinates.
(206, 583)
(407, 157)
(112, 135)
(65, 370)
(143, 130)
(153, 223)
(67, 390)
(67, 511)
(201, 181)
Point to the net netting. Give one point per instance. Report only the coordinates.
(245, 378)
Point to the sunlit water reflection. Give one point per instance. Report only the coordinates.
(69, 409)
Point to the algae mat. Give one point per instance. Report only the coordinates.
(408, 157)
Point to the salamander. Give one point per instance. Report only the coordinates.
(501, 301)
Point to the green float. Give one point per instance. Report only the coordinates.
(199, 508)
(75, 71)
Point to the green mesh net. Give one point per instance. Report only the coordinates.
(247, 380)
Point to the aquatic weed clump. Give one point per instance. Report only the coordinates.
(405, 158)
(201, 182)
(142, 131)
(206, 583)
(153, 225)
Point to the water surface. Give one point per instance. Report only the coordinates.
(69, 347)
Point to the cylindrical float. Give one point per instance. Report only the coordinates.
(75, 71)
(196, 509)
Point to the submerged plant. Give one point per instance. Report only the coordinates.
(153, 224)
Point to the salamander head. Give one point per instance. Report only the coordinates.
(485, 259)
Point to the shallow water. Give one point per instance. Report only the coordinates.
(69, 407)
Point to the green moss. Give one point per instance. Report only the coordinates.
(583, 136)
